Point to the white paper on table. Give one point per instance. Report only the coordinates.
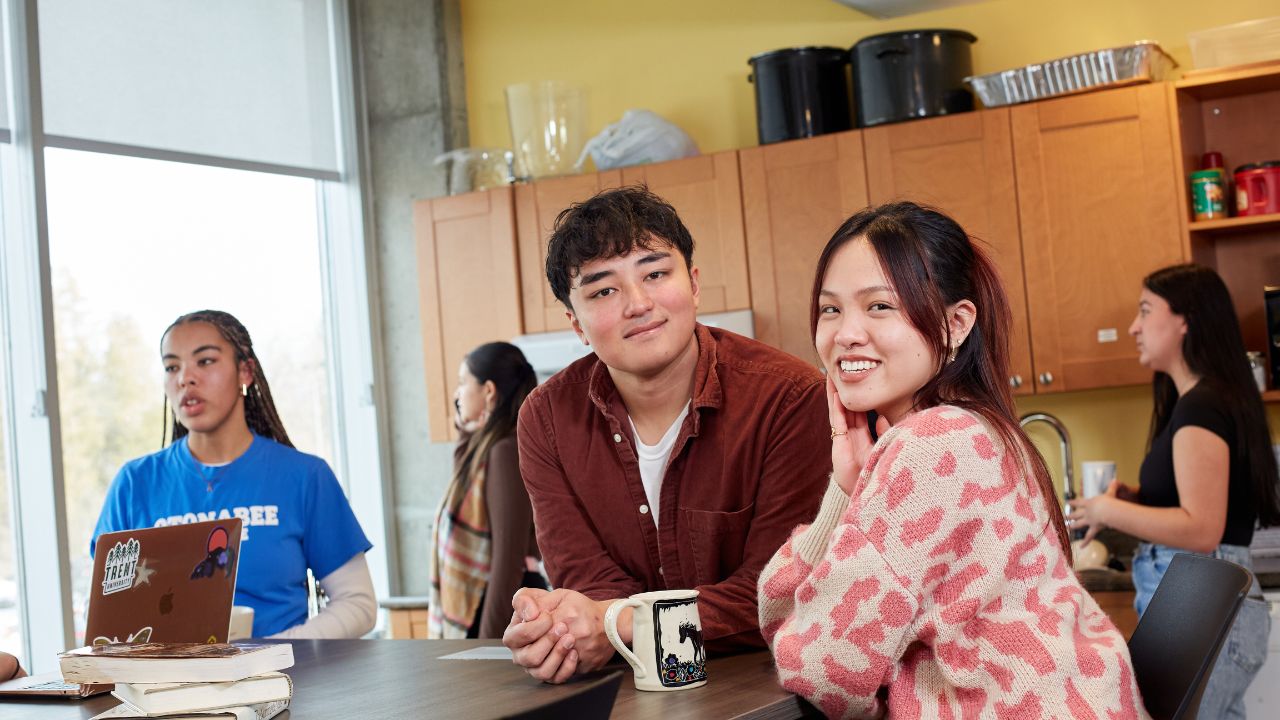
(488, 652)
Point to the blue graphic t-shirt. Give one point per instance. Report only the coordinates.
(295, 517)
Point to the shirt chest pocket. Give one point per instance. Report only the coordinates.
(719, 541)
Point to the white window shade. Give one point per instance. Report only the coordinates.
(241, 83)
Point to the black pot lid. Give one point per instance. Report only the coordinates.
(904, 34)
(815, 49)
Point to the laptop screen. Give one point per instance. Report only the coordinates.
(164, 584)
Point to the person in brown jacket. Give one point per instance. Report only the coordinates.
(483, 536)
(677, 456)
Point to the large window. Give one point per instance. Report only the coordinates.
(10, 625)
(159, 157)
(135, 243)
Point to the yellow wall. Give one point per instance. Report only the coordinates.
(687, 61)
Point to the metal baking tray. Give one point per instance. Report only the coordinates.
(1140, 62)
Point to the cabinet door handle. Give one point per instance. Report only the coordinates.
(1046, 378)
(1015, 382)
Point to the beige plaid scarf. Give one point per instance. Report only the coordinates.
(460, 558)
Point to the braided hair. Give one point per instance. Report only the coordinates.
(259, 409)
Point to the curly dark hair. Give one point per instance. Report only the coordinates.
(611, 224)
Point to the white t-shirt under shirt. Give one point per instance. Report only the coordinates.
(653, 460)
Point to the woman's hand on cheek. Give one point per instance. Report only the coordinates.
(851, 441)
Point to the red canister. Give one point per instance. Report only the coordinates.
(1258, 188)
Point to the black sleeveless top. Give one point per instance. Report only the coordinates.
(1203, 408)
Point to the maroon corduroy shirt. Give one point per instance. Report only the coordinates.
(751, 462)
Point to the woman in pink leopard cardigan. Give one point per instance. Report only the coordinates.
(934, 581)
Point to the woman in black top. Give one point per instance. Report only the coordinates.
(1209, 476)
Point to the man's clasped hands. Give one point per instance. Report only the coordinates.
(554, 634)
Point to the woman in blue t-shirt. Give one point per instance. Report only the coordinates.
(231, 457)
(1209, 476)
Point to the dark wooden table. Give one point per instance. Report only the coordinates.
(406, 679)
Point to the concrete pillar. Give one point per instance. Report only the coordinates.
(409, 66)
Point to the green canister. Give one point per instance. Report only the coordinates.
(1208, 195)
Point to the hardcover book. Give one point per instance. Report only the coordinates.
(168, 698)
(261, 711)
(173, 662)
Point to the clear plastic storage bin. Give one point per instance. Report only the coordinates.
(1245, 42)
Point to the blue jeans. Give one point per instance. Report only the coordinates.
(1246, 647)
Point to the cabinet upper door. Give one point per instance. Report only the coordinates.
(469, 290)
(1098, 202)
(537, 206)
(962, 165)
(704, 191)
(794, 196)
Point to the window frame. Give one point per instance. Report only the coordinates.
(28, 366)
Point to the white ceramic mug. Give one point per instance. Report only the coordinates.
(1097, 476)
(666, 639)
(241, 626)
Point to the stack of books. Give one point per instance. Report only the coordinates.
(193, 679)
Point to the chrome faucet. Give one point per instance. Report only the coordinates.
(1068, 477)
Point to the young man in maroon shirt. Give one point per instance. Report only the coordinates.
(676, 456)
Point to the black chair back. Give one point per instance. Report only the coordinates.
(592, 700)
(1179, 636)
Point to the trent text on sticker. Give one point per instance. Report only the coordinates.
(1107, 335)
(121, 566)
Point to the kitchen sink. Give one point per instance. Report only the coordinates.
(1115, 577)
(1105, 580)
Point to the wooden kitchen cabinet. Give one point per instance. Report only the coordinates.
(962, 165)
(469, 289)
(705, 192)
(1098, 199)
(794, 196)
(537, 205)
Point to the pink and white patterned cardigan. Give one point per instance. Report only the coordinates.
(941, 591)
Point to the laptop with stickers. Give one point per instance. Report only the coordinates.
(162, 584)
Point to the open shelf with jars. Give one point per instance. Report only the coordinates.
(1231, 225)
(1233, 111)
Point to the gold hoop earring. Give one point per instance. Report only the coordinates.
(244, 390)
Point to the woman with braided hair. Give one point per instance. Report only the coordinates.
(229, 456)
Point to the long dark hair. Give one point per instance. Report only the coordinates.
(1214, 351)
(932, 263)
(259, 409)
(513, 376)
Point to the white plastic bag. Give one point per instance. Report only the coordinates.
(639, 137)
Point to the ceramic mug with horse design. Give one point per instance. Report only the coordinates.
(666, 639)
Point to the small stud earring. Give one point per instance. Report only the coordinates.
(244, 390)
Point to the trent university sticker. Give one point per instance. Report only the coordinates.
(122, 565)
